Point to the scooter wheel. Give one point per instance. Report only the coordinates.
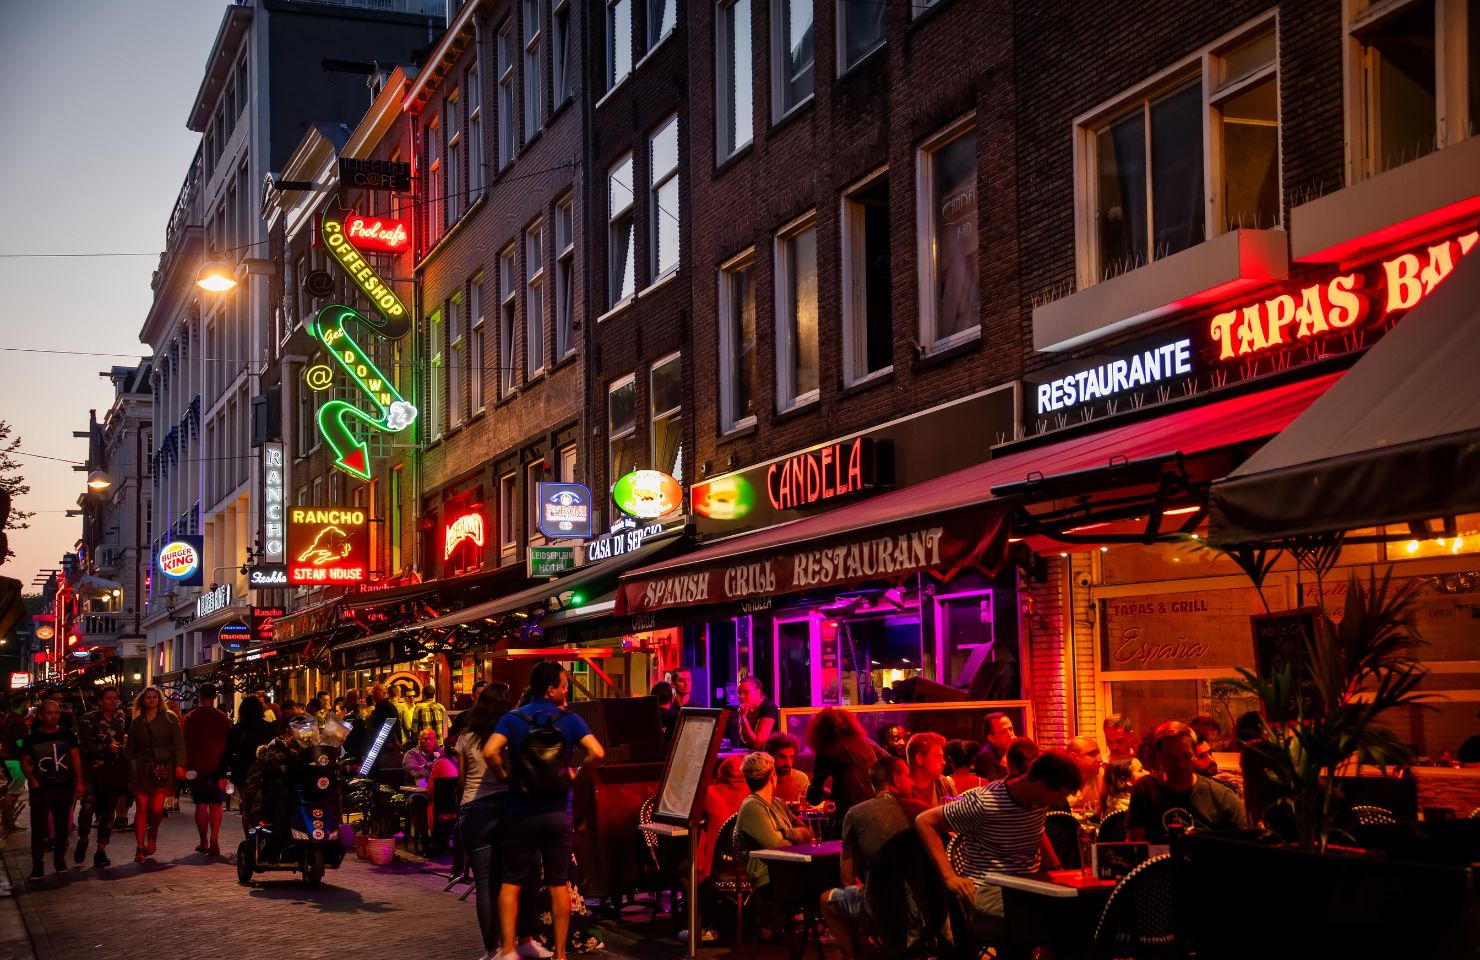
(313, 866)
(246, 862)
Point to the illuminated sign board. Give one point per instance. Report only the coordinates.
(274, 483)
(388, 175)
(467, 528)
(565, 510)
(212, 601)
(622, 541)
(19, 681)
(379, 234)
(234, 636)
(546, 562)
(827, 473)
(263, 622)
(389, 411)
(647, 494)
(1157, 364)
(327, 546)
(179, 560)
(45, 632)
(268, 576)
(727, 498)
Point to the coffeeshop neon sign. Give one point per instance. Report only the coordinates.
(388, 412)
(1336, 304)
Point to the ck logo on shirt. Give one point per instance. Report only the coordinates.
(55, 762)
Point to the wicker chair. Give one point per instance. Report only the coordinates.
(655, 879)
(729, 879)
(1113, 828)
(1137, 920)
(1063, 833)
(1370, 816)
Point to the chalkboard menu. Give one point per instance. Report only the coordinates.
(1279, 640)
(690, 760)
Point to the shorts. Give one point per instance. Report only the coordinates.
(539, 843)
(987, 918)
(849, 903)
(206, 788)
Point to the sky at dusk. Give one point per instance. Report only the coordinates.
(95, 149)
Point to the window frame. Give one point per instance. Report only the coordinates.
(436, 205)
(452, 309)
(651, 42)
(532, 96)
(508, 97)
(609, 71)
(452, 129)
(616, 285)
(655, 211)
(508, 513)
(669, 413)
(723, 121)
(852, 248)
(565, 265)
(478, 346)
(728, 356)
(560, 35)
(508, 319)
(787, 397)
(472, 83)
(840, 28)
(534, 301)
(437, 373)
(925, 226)
(614, 435)
(1198, 67)
(780, 61)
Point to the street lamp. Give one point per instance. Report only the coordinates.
(99, 481)
(215, 276)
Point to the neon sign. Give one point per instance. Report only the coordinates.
(1143, 368)
(565, 510)
(468, 527)
(392, 413)
(273, 485)
(1337, 304)
(381, 234)
(647, 494)
(816, 476)
(728, 498)
(327, 546)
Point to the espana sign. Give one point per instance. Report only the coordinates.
(390, 412)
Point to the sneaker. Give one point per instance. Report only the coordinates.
(100, 860)
(533, 950)
(60, 863)
(36, 873)
(81, 850)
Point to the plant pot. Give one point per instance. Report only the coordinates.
(347, 836)
(381, 853)
(361, 850)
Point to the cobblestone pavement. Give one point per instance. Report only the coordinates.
(186, 905)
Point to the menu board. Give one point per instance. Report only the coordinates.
(690, 759)
(1279, 639)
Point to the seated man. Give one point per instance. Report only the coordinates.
(791, 783)
(866, 828)
(1174, 799)
(926, 754)
(419, 759)
(763, 821)
(1085, 753)
(999, 829)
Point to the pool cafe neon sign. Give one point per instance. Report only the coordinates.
(380, 234)
(388, 411)
(816, 476)
(1336, 304)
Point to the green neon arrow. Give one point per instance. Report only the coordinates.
(392, 412)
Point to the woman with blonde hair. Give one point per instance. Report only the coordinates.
(156, 754)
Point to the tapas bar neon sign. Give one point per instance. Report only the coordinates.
(1336, 304)
(468, 527)
(381, 234)
(827, 473)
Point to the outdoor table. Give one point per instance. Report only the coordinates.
(799, 875)
(414, 827)
(1053, 908)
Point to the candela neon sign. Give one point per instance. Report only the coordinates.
(376, 233)
(392, 413)
(1335, 305)
(469, 526)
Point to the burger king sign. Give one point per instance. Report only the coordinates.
(179, 561)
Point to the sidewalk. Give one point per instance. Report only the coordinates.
(187, 905)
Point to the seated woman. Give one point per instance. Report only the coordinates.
(764, 823)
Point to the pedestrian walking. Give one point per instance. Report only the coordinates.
(104, 772)
(50, 761)
(540, 738)
(250, 733)
(156, 752)
(429, 714)
(485, 806)
(206, 730)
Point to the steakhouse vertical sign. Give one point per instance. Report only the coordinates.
(274, 529)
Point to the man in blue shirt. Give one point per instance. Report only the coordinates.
(535, 745)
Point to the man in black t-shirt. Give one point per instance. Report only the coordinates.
(1175, 799)
(51, 762)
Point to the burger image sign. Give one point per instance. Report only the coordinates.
(179, 561)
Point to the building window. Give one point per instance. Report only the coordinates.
(437, 379)
(534, 475)
(662, 16)
(918, 7)
(618, 41)
(507, 286)
(737, 343)
(560, 52)
(868, 331)
(1415, 81)
(621, 271)
(734, 92)
(452, 114)
(797, 367)
(532, 73)
(474, 87)
(476, 351)
(565, 273)
(1146, 195)
(455, 360)
(507, 97)
(950, 304)
(792, 55)
(436, 203)
(663, 198)
(534, 300)
(508, 518)
(621, 428)
(567, 464)
(665, 409)
(860, 31)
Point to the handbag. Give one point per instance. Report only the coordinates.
(159, 773)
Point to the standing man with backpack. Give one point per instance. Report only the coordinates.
(540, 739)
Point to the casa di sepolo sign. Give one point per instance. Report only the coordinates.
(1324, 314)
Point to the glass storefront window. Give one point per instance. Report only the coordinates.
(970, 658)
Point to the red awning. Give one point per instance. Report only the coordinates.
(943, 525)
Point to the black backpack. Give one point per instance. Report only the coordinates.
(542, 762)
